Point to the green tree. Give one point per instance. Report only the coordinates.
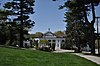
(84, 5)
(90, 24)
(43, 42)
(38, 34)
(4, 28)
(20, 11)
(74, 19)
(59, 33)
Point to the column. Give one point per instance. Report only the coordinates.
(56, 45)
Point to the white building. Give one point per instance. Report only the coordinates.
(54, 41)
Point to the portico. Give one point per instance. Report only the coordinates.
(53, 41)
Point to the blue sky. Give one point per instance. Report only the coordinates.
(47, 15)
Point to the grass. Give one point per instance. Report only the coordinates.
(18, 57)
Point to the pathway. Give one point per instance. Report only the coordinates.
(92, 58)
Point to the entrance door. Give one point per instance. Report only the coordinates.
(53, 46)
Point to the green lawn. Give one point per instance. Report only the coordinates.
(18, 57)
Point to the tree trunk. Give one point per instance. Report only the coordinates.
(21, 37)
(91, 25)
(79, 48)
(92, 39)
(21, 26)
(92, 29)
(11, 36)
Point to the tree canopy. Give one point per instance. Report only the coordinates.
(78, 24)
(20, 24)
(20, 10)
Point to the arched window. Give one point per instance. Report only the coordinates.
(53, 40)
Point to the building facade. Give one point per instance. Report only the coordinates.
(52, 40)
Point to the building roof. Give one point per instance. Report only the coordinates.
(49, 34)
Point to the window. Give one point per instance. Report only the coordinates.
(62, 40)
(53, 40)
(49, 40)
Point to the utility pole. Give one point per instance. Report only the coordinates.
(98, 35)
